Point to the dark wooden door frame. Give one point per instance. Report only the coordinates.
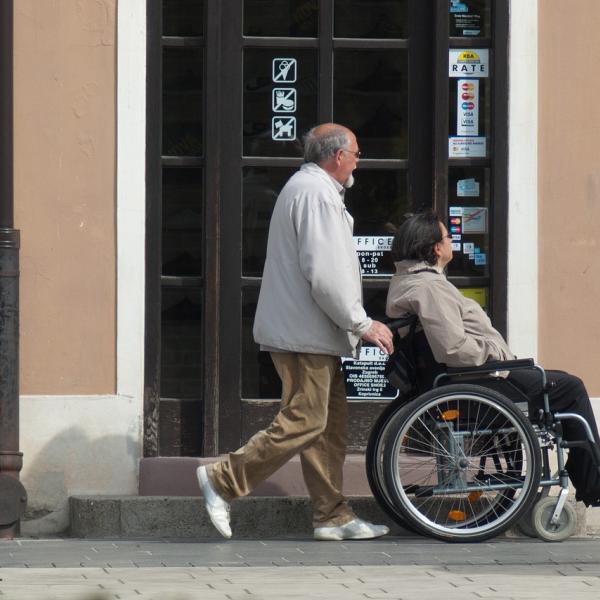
(229, 406)
(213, 155)
(153, 226)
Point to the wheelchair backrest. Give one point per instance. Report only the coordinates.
(427, 368)
(412, 366)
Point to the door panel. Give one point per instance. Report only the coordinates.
(379, 19)
(371, 98)
(368, 88)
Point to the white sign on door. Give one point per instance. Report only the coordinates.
(467, 107)
(468, 62)
(284, 100)
(283, 128)
(467, 147)
(284, 70)
(373, 242)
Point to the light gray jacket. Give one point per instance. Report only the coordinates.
(311, 294)
(458, 330)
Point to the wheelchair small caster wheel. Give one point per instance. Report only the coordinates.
(540, 519)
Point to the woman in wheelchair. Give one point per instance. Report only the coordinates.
(457, 335)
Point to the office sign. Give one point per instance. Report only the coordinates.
(370, 250)
(365, 376)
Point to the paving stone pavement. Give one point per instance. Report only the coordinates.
(390, 568)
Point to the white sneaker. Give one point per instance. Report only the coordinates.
(357, 529)
(216, 507)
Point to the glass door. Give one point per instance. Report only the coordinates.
(232, 86)
(305, 63)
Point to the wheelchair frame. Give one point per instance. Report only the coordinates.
(521, 498)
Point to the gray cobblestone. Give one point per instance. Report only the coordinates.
(390, 568)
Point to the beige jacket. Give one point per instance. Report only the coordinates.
(311, 294)
(458, 330)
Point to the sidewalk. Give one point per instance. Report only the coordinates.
(390, 568)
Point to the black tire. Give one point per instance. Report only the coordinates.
(461, 463)
(374, 458)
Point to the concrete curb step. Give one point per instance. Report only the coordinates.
(263, 517)
(154, 517)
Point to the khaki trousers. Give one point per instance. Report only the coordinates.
(312, 421)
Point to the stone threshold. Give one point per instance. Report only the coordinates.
(158, 517)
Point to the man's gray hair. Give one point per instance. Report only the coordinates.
(319, 146)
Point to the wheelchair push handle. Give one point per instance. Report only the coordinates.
(405, 321)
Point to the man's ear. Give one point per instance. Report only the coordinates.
(437, 249)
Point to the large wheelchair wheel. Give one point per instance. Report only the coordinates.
(461, 463)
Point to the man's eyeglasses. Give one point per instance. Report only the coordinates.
(355, 152)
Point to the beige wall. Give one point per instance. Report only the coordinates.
(569, 187)
(65, 193)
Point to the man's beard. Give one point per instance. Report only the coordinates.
(349, 182)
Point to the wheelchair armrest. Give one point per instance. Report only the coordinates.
(495, 365)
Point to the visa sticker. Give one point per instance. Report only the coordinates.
(455, 211)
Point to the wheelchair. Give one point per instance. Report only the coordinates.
(462, 455)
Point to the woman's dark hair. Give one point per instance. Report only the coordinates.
(416, 238)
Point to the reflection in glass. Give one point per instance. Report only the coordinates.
(372, 19)
(281, 18)
(181, 343)
(374, 300)
(183, 17)
(259, 377)
(371, 97)
(469, 220)
(264, 115)
(377, 202)
(182, 101)
(470, 18)
(261, 186)
(182, 221)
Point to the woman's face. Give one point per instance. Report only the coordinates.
(443, 249)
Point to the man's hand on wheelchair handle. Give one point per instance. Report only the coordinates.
(380, 335)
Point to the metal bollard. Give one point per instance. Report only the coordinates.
(13, 496)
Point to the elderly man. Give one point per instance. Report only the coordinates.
(309, 314)
(460, 334)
